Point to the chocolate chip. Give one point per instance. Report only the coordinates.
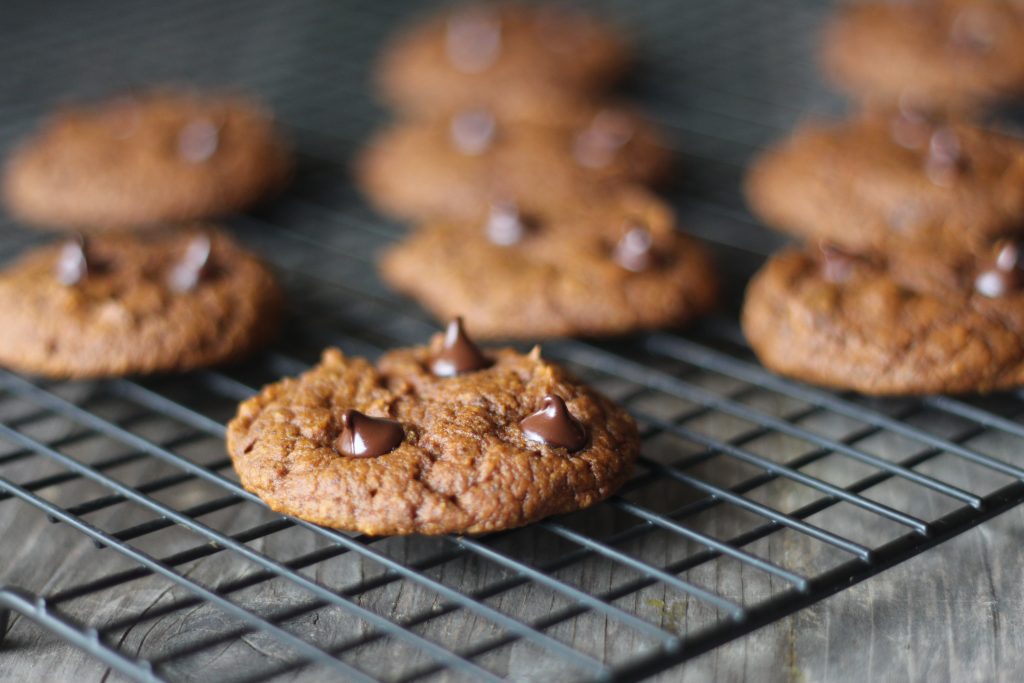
(198, 141)
(554, 425)
(193, 266)
(72, 263)
(363, 436)
(473, 39)
(472, 131)
(910, 128)
(505, 226)
(635, 249)
(836, 264)
(1003, 274)
(945, 159)
(973, 30)
(597, 145)
(458, 353)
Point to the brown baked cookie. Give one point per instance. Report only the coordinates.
(135, 160)
(609, 266)
(941, 55)
(881, 181)
(118, 304)
(453, 168)
(432, 440)
(500, 54)
(914, 323)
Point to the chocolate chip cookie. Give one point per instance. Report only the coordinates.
(452, 168)
(117, 304)
(918, 322)
(606, 266)
(436, 439)
(941, 55)
(497, 54)
(881, 181)
(161, 156)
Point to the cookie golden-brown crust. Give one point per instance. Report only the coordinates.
(562, 278)
(943, 55)
(881, 328)
(123, 317)
(535, 57)
(869, 184)
(465, 465)
(415, 170)
(137, 160)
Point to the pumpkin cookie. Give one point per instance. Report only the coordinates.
(444, 438)
(601, 267)
(113, 305)
(136, 160)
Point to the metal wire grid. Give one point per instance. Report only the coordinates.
(755, 496)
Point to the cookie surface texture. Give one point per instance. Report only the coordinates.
(135, 304)
(913, 326)
(613, 266)
(163, 156)
(466, 457)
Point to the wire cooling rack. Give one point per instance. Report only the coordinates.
(755, 495)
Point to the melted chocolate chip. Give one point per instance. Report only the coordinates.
(945, 159)
(597, 145)
(472, 131)
(72, 263)
(505, 226)
(911, 128)
(363, 436)
(973, 30)
(1003, 274)
(836, 264)
(198, 141)
(458, 353)
(554, 425)
(635, 249)
(193, 266)
(473, 39)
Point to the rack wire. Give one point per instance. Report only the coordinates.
(755, 495)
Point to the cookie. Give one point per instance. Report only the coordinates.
(881, 181)
(135, 160)
(434, 439)
(608, 266)
(941, 55)
(454, 168)
(921, 322)
(492, 55)
(118, 304)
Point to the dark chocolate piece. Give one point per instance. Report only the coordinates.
(554, 425)
(72, 262)
(195, 263)
(945, 159)
(597, 145)
(505, 226)
(198, 141)
(836, 264)
(473, 131)
(635, 250)
(473, 39)
(458, 354)
(363, 436)
(1003, 275)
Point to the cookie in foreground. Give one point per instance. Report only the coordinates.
(608, 266)
(139, 159)
(898, 324)
(443, 438)
(883, 181)
(118, 304)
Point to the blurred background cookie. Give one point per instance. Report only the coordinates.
(139, 159)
